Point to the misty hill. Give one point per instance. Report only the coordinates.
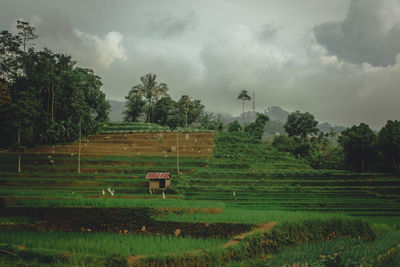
(277, 116)
(117, 107)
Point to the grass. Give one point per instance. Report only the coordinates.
(109, 202)
(343, 252)
(106, 244)
(233, 215)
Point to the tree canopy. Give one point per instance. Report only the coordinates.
(358, 143)
(389, 143)
(301, 124)
(150, 90)
(47, 95)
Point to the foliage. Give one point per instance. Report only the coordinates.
(234, 127)
(284, 143)
(342, 252)
(48, 96)
(150, 90)
(210, 122)
(134, 106)
(389, 143)
(301, 124)
(189, 110)
(319, 152)
(243, 96)
(358, 143)
(256, 129)
(106, 244)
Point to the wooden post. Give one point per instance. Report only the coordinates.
(80, 144)
(19, 145)
(177, 151)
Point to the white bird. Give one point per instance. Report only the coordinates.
(163, 195)
(104, 192)
(110, 191)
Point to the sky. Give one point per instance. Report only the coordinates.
(338, 60)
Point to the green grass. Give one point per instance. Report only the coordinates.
(106, 244)
(247, 216)
(109, 202)
(343, 252)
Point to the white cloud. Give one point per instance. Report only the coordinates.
(108, 49)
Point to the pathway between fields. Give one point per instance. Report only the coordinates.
(132, 260)
(238, 238)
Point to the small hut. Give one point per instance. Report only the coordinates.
(158, 180)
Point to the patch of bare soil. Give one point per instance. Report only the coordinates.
(236, 239)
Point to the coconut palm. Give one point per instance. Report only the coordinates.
(244, 96)
(151, 90)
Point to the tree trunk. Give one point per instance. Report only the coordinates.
(242, 115)
(80, 147)
(362, 165)
(148, 116)
(19, 162)
(19, 144)
(396, 165)
(177, 151)
(52, 94)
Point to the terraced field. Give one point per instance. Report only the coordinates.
(119, 161)
(227, 185)
(244, 177)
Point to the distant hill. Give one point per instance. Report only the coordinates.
(117, 107)
(278, 117)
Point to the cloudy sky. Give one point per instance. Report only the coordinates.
(339, 60)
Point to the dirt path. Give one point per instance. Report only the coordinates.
(236, 239)
(132, 260)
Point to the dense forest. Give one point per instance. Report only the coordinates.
(45, 97)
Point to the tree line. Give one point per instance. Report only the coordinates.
(359, 147)
(44, 97)
(151, 102)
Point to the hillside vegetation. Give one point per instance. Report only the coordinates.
(230, 192)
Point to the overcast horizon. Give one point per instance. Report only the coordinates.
(338, 60)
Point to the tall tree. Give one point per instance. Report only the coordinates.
(358, 144)
(134, 106)
(256, 129)
(164, 109)
(189, 110)
(243, 96)
(389, 143)
(26, 32)
(150, 90)
(301, 124)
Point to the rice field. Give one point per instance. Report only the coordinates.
(222, 179)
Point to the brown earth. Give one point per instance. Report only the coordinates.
(200, 144)
(237, 238)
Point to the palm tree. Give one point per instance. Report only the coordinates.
(151, 90)
(244, 96)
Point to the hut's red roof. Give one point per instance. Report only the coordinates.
(157, 175)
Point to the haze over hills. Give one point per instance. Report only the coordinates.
(277, 116)
(117, 107)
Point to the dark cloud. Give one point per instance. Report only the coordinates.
(269, 31)
(364, 35)
(168, 25)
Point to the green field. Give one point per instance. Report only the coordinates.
(243, 184)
